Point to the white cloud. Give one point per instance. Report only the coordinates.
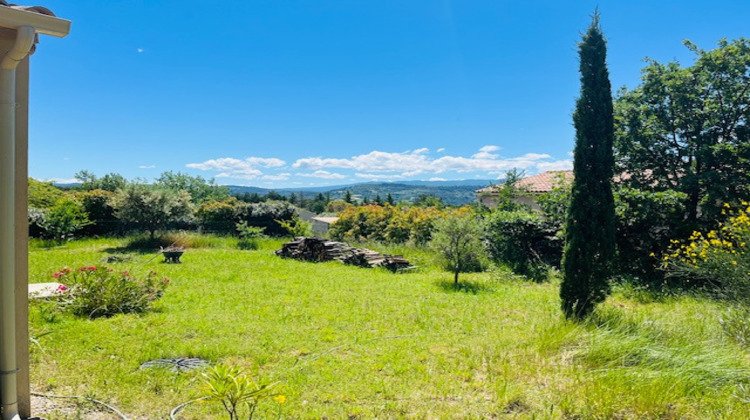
(378, 177)
(140, 50)
(374, 161)
(238, 168)
(441, 150)
(323, 175)
(62, 180)
(485, 152)
(437, 179)
(415, 162)
(280, 177)
(147, 167)
(380, 165)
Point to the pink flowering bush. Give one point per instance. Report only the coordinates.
(97, 291)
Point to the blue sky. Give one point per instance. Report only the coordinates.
(299, 93)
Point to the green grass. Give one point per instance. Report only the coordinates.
(359, 343)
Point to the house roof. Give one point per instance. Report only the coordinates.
(538, 184)
(35, 9)
(327, 220)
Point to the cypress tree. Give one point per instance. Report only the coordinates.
(590, 225)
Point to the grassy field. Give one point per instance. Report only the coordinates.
(347, 342)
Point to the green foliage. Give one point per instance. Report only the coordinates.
(523, 241)
(43, 195)
(237, 392)
(200, 190)
(219, 216)
(98, 291)
(249, 236)
(267, 215)
(457, 238)
(109, 182)
(296, 226)
(646, 222)
(386, 224)
(427, 200)
(98, 206)
(337, 206)
(590, 226)
(61, 221)
(555, 203)
(150, 208)
(688, 129)
(719, 257)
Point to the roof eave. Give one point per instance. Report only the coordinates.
(42, 24)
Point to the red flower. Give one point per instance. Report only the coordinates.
(61, 288)
(56, 275)
(165, 280)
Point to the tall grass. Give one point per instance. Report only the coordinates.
(350, 342)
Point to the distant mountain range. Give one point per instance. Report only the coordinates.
(455, 193)
(451, 192)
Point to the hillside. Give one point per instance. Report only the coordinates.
(451, 192)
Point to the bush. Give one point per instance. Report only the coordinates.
(59, 222)
(98, 291)
(249, 236)
(392, 224)
(150, 208)
(98, 206)
(219, 216)
(646, 222)
(718, 258)
(43, 195)
(267, 216)
(296, 227)
(523, 241)
(457, 238)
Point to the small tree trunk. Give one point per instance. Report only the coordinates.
(455, 278)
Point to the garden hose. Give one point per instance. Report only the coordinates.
(78, 397)
(173, 413)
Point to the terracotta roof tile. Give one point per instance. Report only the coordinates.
(544, 182)
(541, 183)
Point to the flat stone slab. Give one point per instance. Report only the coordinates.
(43, 290)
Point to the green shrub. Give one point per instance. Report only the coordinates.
(219, 216)
(646, 222)
(387, 223)
(98, 206)
(719, 258)
(59, 222)
(296, 226)
(149, 208)
(457, 238)
(523, 241)
(43, 195)
(249, 236)
(99, 291)
(238, 393)
(267, 215)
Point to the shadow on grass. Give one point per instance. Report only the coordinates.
(141, 245)
(463, 287)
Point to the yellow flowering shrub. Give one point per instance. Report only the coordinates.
(720, 257)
